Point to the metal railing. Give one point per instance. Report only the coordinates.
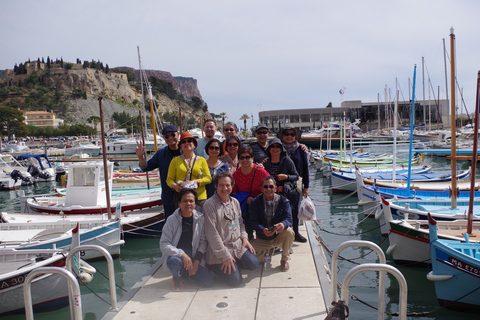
(73, 291)
(382, 267)
(74, 294)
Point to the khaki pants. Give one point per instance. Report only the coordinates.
(283, 240)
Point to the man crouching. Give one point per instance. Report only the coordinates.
(271, 218)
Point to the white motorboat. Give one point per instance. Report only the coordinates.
(82, 146)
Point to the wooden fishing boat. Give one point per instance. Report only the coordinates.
(455, 271)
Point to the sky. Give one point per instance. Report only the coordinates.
(250, 56)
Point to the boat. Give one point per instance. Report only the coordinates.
(87, 194)
(48, 291)
(455, 271)
(14, 146)
(121, 190)
(82, 146)
(10, 181)
(123, 179)
(24, 233)
(347, 181)
(409, 237)
(9, 164)
(126, 146)
(39, 166)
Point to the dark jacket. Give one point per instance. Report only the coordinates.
(259, 152)
(161, 160)
(283, 213)
(300, 159)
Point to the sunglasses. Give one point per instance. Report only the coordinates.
(291, 134)
(231, 129)
(244, 157)
(186, 141)
(213, 148)
(262, 132)
(277, 146)
(171, 135)
(269, 187)
(232, 144)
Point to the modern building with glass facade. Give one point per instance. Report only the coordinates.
(434, 113)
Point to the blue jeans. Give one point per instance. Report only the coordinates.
(248, 261)
(203, 276)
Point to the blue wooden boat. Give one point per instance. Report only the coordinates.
(456, 271)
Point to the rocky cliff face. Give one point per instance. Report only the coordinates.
(118, 95)
(183, 85)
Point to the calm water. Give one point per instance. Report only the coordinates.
(339, 217)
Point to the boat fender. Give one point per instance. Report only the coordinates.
(86, 277)
(85, 267)
(438, 277)
(391, 248)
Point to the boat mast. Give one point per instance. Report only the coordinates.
(445, 63)
(453, 123)
(141, 85)
(412, 127)
(474, 160)
(395, 125)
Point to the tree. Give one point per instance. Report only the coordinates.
(223, 116)
(329, 105)
(48, 62)
(197, 102)
(244, 117)
(11, 121)
(107, 69)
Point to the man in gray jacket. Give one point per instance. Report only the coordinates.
(228, 245)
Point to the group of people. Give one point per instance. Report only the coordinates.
(228, 206)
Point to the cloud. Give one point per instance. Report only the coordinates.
(279, 54)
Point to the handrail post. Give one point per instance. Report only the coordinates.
(381, 267)
(73, 291)
(111, 271)
(382, 259)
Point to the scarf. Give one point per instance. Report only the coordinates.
(291, 147)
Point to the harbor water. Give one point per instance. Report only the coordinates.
(339, 219)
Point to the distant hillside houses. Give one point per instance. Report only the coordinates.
(41, 119)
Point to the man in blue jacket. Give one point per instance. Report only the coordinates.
(271, 218)
(161, 160)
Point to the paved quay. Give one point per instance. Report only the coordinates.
(267, 293)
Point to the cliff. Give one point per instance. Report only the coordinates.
(81, 88)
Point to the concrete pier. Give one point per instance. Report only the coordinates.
(267, 293)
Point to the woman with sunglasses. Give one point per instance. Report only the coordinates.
(232, 143)
(189, 170)
(215, 165)
(290, 136)
(229, 129)
(183, 243)
(280, 166)
(248, 184)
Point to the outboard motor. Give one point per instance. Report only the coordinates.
(33, 171)
(15, 175)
